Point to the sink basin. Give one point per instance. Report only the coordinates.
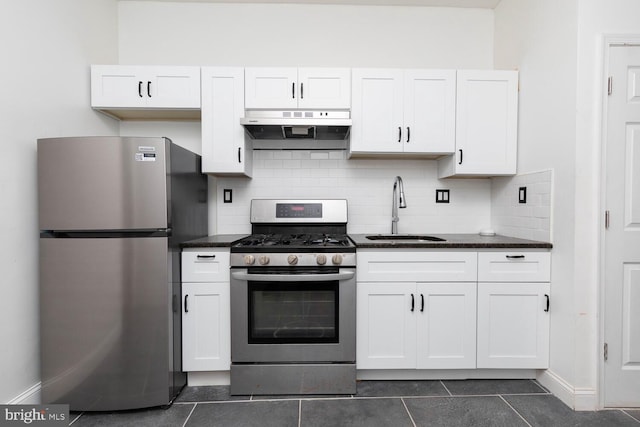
(416, 237)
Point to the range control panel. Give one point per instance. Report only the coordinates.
(299, 210)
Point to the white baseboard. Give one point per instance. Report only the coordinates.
(578, 399)
(31, 396)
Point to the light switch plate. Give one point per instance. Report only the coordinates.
(522, 195)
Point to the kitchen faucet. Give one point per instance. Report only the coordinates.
(394, 207)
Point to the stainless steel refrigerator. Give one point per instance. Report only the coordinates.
(112, 214)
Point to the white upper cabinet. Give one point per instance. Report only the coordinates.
(291, 88)
(403, 111)
(225, 150)
(486, 125)
(123, 91)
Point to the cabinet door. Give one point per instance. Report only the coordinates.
(486, 122)
(271, 88)
(446, 329)
(117, 86)
(513, 325)
(206, 344)
(429, 111)
(324, 88)
(386, 326)
(172, 87)
(224, 147)
(376, 111)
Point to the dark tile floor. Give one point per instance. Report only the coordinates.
(477, 403)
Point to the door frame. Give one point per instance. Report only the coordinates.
(609, 41)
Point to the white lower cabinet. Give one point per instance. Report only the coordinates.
(206, 324)
(513, 325)
(416, 325)
(453, 310)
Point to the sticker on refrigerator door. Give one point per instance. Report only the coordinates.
(145, 157)
(146, 148)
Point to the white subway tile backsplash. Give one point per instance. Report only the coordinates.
(531, 220)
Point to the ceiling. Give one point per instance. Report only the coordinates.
(483, 4)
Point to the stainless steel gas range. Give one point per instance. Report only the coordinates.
(293, 301)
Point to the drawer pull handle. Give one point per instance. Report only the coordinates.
(413, 303)
(186, 307)
(547, 309)
(206, 256)
(515, 256)
(421, 303)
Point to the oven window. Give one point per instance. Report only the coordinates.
(293, 312)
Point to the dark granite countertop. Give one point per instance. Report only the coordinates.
(215, 241)
(452, 241)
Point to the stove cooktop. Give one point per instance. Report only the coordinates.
(306, 242)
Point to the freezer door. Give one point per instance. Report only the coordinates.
(102, 183)
(106, 323)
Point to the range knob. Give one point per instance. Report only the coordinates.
(264, 260)
(249, 259)
(337, 259)
(292, 259)
(321, 259)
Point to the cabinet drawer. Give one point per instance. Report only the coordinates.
(205, 266)
(514, 266)
(416, 266)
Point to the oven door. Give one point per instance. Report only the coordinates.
(285, 316)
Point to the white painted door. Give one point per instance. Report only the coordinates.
(513, 325)
(622, 238)
(446, 329)
(224, 147)
(271, 88)
(429, 111)
(486, 122)
(324, 88)
(377, 111)
(386, 326)
(206, 344)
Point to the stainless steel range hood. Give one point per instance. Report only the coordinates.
(297, 129)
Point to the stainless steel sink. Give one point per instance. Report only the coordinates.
(415, 237)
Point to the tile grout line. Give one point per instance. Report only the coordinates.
(76, 418)
(540, 386)
(514, 410)
(445, 387)
(630, 416)
(300, 413)
(408, 413)
(189, 416)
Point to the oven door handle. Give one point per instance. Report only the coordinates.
(238, 275)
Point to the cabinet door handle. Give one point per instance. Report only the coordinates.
(460, 162)
(408, 133)
(205, 256)
(546, 310)
(186, 307)
(301, 90)
(413, 303)
(515, 256)
(293, 90)
(140, 89)
(421, 303)
(149, 89)
(399, 134)
(239, 151)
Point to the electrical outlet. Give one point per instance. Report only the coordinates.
(522, 195)
(227, 195)
(442, 196)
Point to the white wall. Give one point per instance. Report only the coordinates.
(304, 35)
(46, 50)
(540, 39)
(320, 35)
